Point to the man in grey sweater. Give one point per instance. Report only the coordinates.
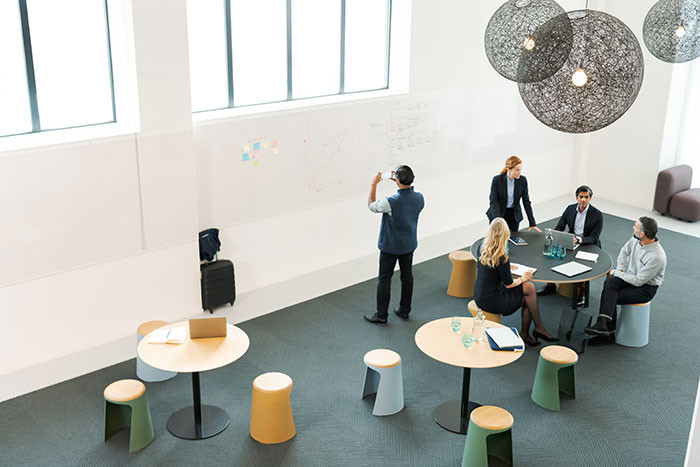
(639, 273)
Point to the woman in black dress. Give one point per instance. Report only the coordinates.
(495, 290)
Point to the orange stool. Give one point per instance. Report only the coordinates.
(474, 309)
(566, 289)
(271, 419)
(463, 274)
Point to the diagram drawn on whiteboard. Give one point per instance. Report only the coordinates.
(320, 160)
(256, 148)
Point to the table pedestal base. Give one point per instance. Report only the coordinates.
(213, 421)
(448, 416)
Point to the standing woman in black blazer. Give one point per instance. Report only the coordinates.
(507, 189)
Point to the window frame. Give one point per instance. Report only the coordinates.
(31, 78)
(230, 65)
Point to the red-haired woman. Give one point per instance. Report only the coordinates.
(507, 189)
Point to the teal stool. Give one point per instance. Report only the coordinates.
(633, 325)
(126, 404)
(555, 372)
(489, 434)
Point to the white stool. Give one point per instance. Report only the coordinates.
(384, 377)
(144, 371)
(633, 325)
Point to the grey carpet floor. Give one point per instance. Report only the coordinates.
(633, 407)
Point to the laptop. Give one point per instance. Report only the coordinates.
(207, 327)
(564, 239)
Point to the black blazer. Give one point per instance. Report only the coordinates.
(591, 228)
(498, 199)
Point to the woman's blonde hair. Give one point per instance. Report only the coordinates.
(494, 246)
(511, 162)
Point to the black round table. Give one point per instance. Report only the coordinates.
(570, 325)
(531, 255)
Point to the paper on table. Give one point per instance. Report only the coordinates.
(521, 269)
(163, 336)
(570, 269)
(504, 337)
(584, 255)
(158, 336)
(176, 336)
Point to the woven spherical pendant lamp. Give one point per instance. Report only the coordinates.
(671, 30)
(510, 36)
(599, 82)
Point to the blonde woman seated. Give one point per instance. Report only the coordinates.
(495, 290)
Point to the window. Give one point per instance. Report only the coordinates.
(246, 52)
(57, 65)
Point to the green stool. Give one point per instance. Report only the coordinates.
(126, 405)
(489, 434)
(555, 372)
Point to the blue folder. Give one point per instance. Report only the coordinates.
(495, 346)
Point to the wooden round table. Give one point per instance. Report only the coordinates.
(194, 355)
(438, 341)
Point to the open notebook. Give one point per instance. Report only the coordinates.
(505, 339)
(163, 336)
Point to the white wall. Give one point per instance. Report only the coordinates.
(624, 158)
(137, 197)
(101, 235)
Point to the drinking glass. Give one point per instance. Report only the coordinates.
(562, 252)
(456, 323)
(552, 252)
(466, 339)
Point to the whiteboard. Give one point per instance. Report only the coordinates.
(262, 166)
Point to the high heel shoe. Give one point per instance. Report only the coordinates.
(539, 335)
(531, 343)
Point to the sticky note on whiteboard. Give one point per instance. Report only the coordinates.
(256, 146)
(246, 148)
(276, 151)
(246, 156)
(266, 144)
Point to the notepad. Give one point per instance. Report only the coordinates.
(164, 336)
(584, 255)
(571, 269)
(521, 269)
(506, 339)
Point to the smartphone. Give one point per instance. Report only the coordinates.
(387, 175)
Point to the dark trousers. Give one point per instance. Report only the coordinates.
(509, 217)
(387, 262)
(618, 292)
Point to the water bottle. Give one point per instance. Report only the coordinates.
(548, 242)
(478, 327)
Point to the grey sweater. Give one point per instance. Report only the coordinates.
(640, 264)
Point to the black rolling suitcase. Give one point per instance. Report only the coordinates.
(218, 284)
(218, 280)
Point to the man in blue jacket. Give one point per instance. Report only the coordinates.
(398, 240)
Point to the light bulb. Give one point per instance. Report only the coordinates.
(680, 32)
(579, 78)
(529, 43)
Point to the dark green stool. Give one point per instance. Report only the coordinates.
(126, 404)
(489, 434)
(555, 372)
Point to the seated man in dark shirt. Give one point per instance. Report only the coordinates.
(583, 220)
